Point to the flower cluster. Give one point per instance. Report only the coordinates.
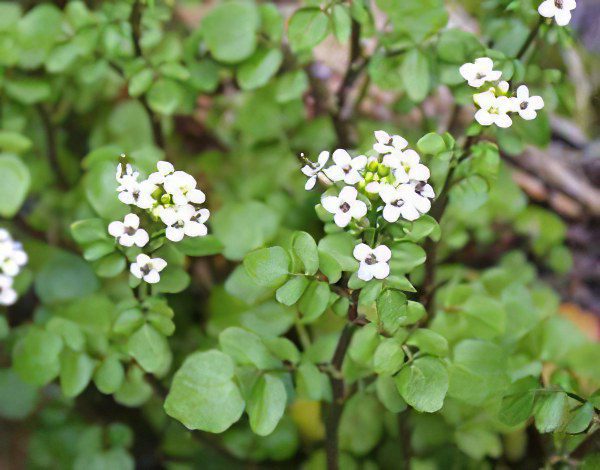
(391, 182)
(12, 260)
(495, 101)
(167, 196)
(560, 10)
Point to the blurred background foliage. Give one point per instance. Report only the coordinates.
(232, 92)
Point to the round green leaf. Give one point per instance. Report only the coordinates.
(14, 184)
(266, 404)
(203, 394)
(307, 28)
(230, 31)
(258, 69)
(423, 384)
(268, 267)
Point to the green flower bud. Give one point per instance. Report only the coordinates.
(383, 170)
(372, 166)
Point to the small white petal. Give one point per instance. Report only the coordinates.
(334, 173)
(330, 203)
(547, 9)
(195, 229)
(342, 219)
(159, 264)
(364, 272)
(382, 136)
(323, 158)
(175, 234)
(141, 238)
(341, 157)
(136, 270)
(348, 194)
(484, 118)
(380, 270)
(358, 210)
(382, 253)
(132, 220)
(391, 213)
(419, 173)
(503, 120)
(310, 183)
(152, 277)
(361, 251)
(536, 102)
(116, 228)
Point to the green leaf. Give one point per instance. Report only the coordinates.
(431, 144)
(388, 395)
(14, 142)
(200, 246)
(330, 267)
(109, 375)
(388, 357)
(89, 230)
(76, 370)
(429, 342)
(230, 29)
(36, 356)
(486, 316)
(580, 419)
(417, 19)
(165, 96)
(478, 371)
(416, 75)
(258, 69)
(423, 384)
(268, 267)
(364, 344)
(14, 184)
(291, 86)
(140, 82)
(305, 249)
(292, 290)
(28, 91)
(314, 301)
(246, 347)
(203, 394)
(361, 412)
(517, 404)
(390, 304)
(550, 411)
(307, 28)
(340, 246)
(17, 398)
(260, 224)
(406, 256)
(266, 404)
(150, 349)
(341, 22)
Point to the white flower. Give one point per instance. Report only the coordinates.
(182, 188)
(389, 143)
(494, 109)
(476, 74)
(12, 255)
(527, 106)
(344, 207)
(8, 296)
(125, 172)
(559, 9)
(312, 171)
(128, 232)
(398, 203)
(184, 220)
(406, 166)
(137, 194)
(503, 86)
(373, 187)
(164, 170)
(147, 268)
(346, 168)
(373, 262)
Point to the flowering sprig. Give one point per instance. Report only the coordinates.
(495, 100)
(12, 260)
(560, 10)
(385, 187)
(168, 197)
